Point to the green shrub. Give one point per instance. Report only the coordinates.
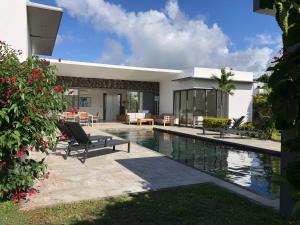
(216, 122)
(29, 102)
(247, 126)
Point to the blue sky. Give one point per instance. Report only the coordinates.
(243, 34)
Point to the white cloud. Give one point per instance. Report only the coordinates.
(265, 40)
(166, 39)
(113, 52)
(59, 39)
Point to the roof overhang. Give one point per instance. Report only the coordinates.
(205, 78)
(264, 7)
(105, 71)
(198, 73)
(43, 22)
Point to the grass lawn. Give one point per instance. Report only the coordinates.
(199, 204)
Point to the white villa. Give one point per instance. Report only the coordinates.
(109, 89)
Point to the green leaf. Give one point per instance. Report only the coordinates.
(296, 210)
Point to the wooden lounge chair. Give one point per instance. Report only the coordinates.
(67, 136)
(164, 120)
(83, 141)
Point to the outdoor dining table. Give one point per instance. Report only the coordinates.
(77, 118)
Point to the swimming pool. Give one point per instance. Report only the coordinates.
(246, 168)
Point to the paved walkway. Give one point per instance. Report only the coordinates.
(107, 173)
(229, 138)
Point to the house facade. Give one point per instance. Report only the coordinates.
(111, 90)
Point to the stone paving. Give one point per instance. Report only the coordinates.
(107, 173)
(229, 138)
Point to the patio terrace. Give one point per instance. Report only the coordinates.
(107, 173)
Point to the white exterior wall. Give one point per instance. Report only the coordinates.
(14, 27)
(166, 97)
(97, 99)
(240, 104)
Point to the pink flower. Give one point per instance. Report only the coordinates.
(4, 103)
(20, 154)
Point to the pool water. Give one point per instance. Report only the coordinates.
(248, 169)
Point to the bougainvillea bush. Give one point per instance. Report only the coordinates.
(29, 104)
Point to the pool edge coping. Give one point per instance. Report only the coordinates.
(249, 147)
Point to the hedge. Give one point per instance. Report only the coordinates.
(216, 122)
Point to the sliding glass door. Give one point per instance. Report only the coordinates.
(191, 104)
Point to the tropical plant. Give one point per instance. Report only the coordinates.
(225, 85)
(29, 102)
(285, 84)
(262, 109)
(287, 17)
(263, 78)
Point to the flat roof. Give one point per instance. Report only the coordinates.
(267, 10)
(43, 22)
(120, 72)
(206, 73)
(116, 72)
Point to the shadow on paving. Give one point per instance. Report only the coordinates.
(204, 204)
(93, 153)
(161, 172)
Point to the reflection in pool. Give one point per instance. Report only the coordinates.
(248, 169)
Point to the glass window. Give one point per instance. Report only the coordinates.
(133, 102)
(211, 102)
(183, 108)
(176, 107)
(200, 103)
(85, 102)
(190, 107)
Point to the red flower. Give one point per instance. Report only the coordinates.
(37, 73)
(22, 194)
(4, 103)
(45, 144)
(12, 80)
(47, 175)
(62, 122)
(32, 192)
(8, 94)
(15, 198)
(20, 154)
(4, 163)
(59, 89)
(30, 80)
(3, 79)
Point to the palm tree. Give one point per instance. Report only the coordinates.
(225, 84)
